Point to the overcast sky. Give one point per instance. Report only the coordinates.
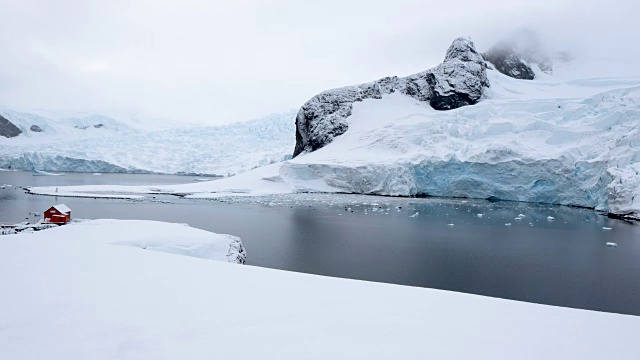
(217, 62)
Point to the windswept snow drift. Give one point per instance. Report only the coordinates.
(71, 293)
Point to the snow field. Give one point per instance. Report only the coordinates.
(70, 293)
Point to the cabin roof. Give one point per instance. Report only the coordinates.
(62, 208)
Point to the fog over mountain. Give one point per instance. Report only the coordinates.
(217, 62)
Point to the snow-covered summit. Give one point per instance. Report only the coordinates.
(458, 81)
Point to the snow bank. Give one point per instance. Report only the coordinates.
(150, 235)
(70, 293)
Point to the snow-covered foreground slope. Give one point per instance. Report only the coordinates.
(220, 150)
(75, 293)
(571, 141)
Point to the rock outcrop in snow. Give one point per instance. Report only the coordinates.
(457, 82)
(8, 129)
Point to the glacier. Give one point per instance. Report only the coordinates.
(79, 146)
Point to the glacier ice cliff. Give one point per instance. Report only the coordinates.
(80, 145)
(457, 82)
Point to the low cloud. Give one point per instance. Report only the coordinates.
(214, 62)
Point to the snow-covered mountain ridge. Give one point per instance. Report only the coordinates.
(458, 81)
(116, 147)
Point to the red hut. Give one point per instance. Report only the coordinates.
(58, 214)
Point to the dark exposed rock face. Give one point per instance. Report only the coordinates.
(510, 63)
(516, 56)
(8, 129)
(36, 128)
(458, 81)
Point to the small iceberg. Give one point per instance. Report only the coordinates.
(612, 244)
(550, 218)
(480, 215)
(606, 228)
(507, 224)
(44, 173)
(97, 174)
(414, 215)
(450, 224)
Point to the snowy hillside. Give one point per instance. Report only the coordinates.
(114, 147)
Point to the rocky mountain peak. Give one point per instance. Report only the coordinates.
(463, 49)
(518, 55)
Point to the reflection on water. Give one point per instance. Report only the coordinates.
(562, 262)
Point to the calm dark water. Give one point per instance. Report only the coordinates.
(563, 262)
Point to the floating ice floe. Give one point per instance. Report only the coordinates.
(606, 228)
(414, 215)
(480, 215)
(612, 244)
(507, 224)
(450, 224)
(550, 218)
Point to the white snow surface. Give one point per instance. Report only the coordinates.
(561, 139)
(74, 292)
(116, 147)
